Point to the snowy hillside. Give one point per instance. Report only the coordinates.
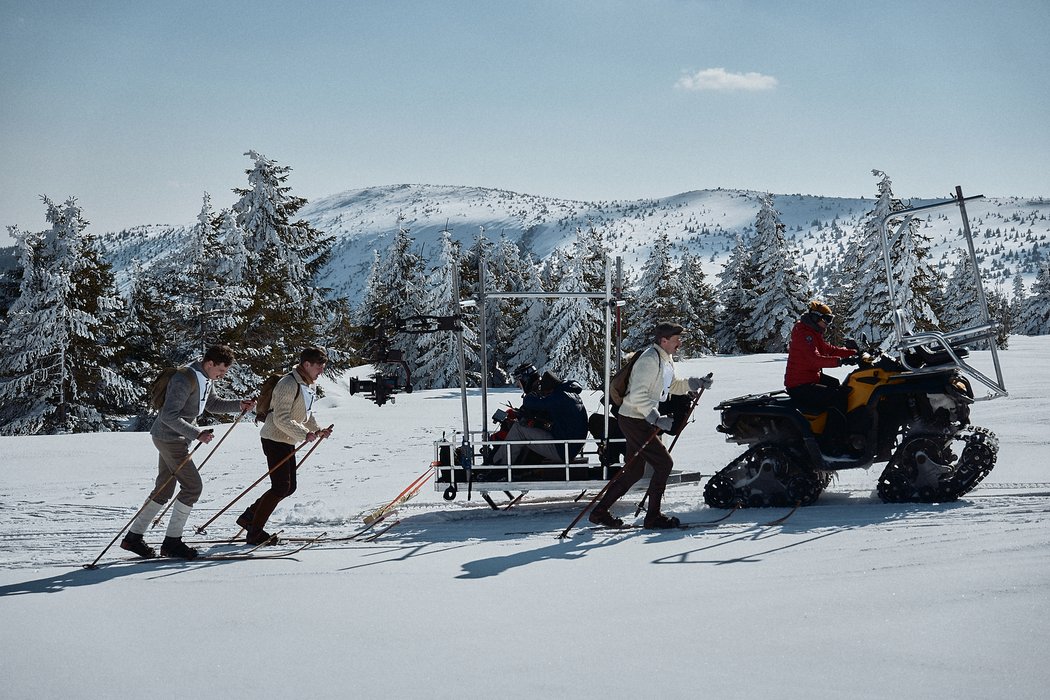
(848, 598)
(1012, 234)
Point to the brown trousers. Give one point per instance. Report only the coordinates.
(282, 482)
(637, 432)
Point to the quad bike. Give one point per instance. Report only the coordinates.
(909, 407)
(911, 411)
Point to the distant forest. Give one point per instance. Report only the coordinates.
(79, 356)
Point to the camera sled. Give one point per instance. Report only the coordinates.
(481, 457)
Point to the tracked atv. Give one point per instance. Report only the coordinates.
(909, 407)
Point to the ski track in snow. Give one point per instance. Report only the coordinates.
(39, 534)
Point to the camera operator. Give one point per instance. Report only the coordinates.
(550, 410)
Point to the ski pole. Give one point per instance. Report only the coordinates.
(638, 452)
(160, 516)
(641, 503)
(203, 528)
(94, 564)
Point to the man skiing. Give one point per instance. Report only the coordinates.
(291, 420)
(652, 380)
(188, 395)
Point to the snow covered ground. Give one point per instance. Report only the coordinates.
(849, 598)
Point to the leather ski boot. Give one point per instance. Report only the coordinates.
(661, 522)
(175, 548)
(134, 543)
(600, 516)
(260, 536)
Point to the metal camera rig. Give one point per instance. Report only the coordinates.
(382, 386)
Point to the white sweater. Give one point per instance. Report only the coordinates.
(647, 383)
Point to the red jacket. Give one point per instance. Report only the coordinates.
(808, 353)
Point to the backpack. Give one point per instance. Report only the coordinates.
(262, 404)
(618, 383)
(158, 389)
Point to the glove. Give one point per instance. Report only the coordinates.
(664, 423)
(851, 360)
(697, 383)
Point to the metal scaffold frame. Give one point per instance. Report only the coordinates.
(455, 463)
(949, 342)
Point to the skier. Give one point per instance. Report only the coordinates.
(808, 355)
(290, 421)
(188, 395)
(652, 380)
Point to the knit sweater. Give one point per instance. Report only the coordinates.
(647, 380)
(287, 420)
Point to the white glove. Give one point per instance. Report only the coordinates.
(664, 423)
(697, 383)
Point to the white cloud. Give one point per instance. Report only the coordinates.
(721, 79)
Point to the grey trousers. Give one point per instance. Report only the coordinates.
(172, 454)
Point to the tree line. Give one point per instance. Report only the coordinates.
(79, 356)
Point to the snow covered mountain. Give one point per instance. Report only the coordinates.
(1012, 234)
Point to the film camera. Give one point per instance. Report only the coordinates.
(381, 387)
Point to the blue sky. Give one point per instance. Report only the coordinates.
(138, 107)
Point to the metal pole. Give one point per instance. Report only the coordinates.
(483, 333)
(462, 351)
(977, 280)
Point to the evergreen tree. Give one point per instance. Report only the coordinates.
(527, 346)
(696, 307)
(394, 292)
(1017, 304)
(1036, 318)
(287, 311)
(624, 317)
(780, 291)
(438, 366)
(64, 332)
(227, 270)
(150, 310)
(510, 315)
(573, 327)
(1000, 314)
(482, 254)
(841, 292)
(10, 279)
(658, 295)
(735, 292)
(873, 310)
(589, 256)
(962, 307)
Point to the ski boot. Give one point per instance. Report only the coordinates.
(134, 543)
(175, 548)
(661, 522)
(600, 516)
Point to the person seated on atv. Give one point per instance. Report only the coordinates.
(808, 355)
(551, 409)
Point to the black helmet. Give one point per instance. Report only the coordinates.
(525, 375)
